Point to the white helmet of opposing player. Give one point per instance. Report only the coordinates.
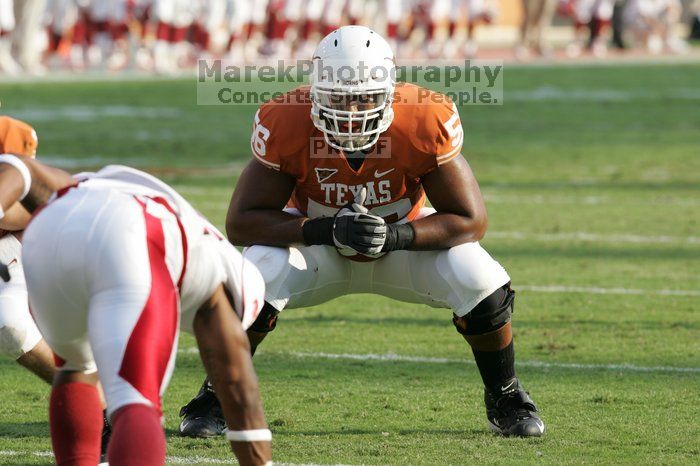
(352, 87)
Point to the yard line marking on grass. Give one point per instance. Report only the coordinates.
(541, 199)
(197, 459)
(604, 291)
(550, 93)
(389, 357)
(536, 364)
(93, 112)
(204, 460)
(594, 237)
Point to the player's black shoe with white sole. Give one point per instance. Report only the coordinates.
(511, 411)
(203, 417)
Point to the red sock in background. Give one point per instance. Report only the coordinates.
(137, 437)
(75, 417)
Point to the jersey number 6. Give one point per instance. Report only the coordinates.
(259, 137)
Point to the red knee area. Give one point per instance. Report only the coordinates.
(137, 437)
(308, 28)
(178, 35)
(80, 32)
(163, 31)
(431, 30)
(118, 31)
(75, 418)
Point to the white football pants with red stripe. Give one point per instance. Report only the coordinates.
(102, 271)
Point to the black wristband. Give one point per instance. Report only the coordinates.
(398, 237)
(318, 231)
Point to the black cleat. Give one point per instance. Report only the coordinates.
(203, 417)
(511, 411)
(106, 434)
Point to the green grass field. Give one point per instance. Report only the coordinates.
(592, 181)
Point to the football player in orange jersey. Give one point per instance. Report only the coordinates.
(19, 336)
(334, 203)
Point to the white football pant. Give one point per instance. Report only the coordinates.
(458, 278)
(18, 332)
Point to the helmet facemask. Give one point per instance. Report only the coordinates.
(351, 119)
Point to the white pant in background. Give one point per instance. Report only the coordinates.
(18, 332)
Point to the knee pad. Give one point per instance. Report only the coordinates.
(267, 319)
(492, 313)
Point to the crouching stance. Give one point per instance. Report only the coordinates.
(116, 263)
(343, 211)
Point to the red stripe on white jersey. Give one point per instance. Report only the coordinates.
(151, 342)
(183, 237)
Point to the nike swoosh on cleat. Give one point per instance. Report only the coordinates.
(503, 389)
(378, 174)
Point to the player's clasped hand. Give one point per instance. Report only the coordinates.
(351, 228)
(362, 232)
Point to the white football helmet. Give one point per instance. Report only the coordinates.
(352, 87)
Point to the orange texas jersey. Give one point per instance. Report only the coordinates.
(426, 132)
(17, 137)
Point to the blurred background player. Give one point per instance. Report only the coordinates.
(535, 22)
(592, 26)
(161, 265)
(60, 21)
(651, 24)
(8, 64)
(173, 19)
(28, 38)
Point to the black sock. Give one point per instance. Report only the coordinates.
(496, 367)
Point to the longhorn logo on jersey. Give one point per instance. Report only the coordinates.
(322, 174)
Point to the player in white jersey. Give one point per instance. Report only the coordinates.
(116, 262)
(7, 26)
(652, 24)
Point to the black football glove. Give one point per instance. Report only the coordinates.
(364, 233)
(351, 228)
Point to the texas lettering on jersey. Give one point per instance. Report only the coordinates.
(425, 133)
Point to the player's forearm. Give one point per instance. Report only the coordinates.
(11, 186)
(225, 353)
(445, 230)
(16, 218)
(264, 227)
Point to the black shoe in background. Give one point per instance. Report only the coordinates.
(202, 417)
